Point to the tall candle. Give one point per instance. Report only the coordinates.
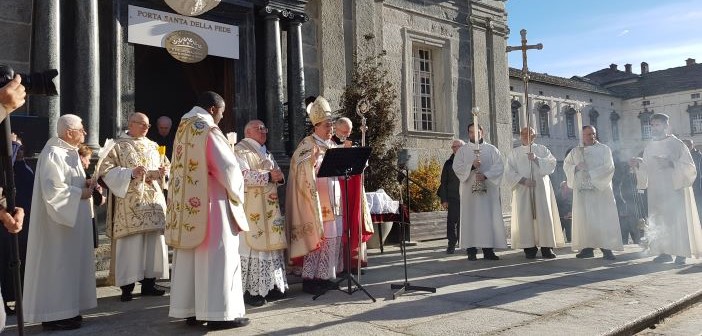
(476, 127)
(579, 124)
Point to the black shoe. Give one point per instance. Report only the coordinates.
(126, 293)
(530, 253)
(451, 250)
(489, 254)
(472, 253)
(607, 254)
(330, 284)
(192, 321)
(663, 258)
(236, 323)
(78, 318)
(274, 295)
(148, 288)
(547, 253)
(680, 260)
(314, 287)
(66, 324)
(587, 252)
(254, 300)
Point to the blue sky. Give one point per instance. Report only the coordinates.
(583, 36)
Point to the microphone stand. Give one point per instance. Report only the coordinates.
(8, 182)
(406, 286)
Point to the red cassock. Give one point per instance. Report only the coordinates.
(356, 217)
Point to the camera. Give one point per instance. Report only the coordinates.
(37, 83)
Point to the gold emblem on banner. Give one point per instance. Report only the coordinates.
(192, 7)
(185, 46)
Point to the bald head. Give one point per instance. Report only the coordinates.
(138, 125)
(527, 135)
(456, 144)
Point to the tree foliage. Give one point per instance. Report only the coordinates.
(370, 83)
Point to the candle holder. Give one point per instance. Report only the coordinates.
(478, 187)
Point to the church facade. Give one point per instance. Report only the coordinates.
(444, 57)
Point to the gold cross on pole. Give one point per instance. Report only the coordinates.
(525, 73)
(527, 111)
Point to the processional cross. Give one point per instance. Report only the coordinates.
(527, 115)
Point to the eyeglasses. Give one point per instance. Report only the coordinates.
(262, 129)
(141, 123)
(82, 130)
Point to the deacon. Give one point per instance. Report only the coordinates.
(481, 213)
(204, 216)
(60, 272)
(313, 206)
(450, 198)
(262, 247)
(136, 210)
(535, 218)
(668, 171)
(589, 170)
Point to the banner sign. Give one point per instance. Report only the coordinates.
(186, 38)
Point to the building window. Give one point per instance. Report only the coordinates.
(544, 111)
(423, 89)
(614, 119)
(695, 112)
(593, 117)
(570, 122)
(645, 118)
(516, 105)
(645, 103)
(695, 96)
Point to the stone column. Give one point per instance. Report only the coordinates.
(273, 82)
(46, 55)
(296, 82)
(87, 70)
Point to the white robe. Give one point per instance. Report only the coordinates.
(674, 225)
(595, 217)
(59, 278)
(481, 222)
(141, 255)
(206, 281)
(262, 270)
(545, 230)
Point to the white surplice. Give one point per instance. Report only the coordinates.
(481, 214)
(59, 277)
(595, 217)
(206, 280)
(674, 225)
(544, 230)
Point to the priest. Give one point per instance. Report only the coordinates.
(589, 170)
(535, 218)
(204, 217)
(262, 248)
(133, 171)
(60, 274)
(668, 171)
(479, 167)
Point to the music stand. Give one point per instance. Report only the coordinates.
(346, 162)
(406, 287)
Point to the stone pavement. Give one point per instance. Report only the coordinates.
(512, 296)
